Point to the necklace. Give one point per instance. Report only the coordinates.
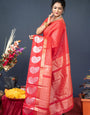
(58, 17)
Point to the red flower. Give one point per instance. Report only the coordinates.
(5, 63)
(11, 56)
(14, 53)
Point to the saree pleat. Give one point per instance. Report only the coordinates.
(49, 86)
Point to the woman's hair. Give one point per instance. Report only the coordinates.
(60, 1)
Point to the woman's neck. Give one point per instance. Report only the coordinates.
(56, 18)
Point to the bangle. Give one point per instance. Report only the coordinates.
(45, 24)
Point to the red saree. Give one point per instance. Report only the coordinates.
(49, 85)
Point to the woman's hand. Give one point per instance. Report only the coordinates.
(45, 25)
(31, 37)
(50, 18)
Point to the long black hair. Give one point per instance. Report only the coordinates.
(60, 1)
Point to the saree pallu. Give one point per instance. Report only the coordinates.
(49, 86)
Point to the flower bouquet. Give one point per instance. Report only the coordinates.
(85, 94)
(12, 51)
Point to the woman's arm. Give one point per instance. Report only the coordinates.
(41, 28)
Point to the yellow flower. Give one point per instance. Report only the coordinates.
(15, 93)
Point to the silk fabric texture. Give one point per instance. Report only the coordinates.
(49, 86)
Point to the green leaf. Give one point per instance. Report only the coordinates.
(1, 68)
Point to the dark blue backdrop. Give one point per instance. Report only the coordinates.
(27, 15)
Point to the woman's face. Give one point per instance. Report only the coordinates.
(57, 9)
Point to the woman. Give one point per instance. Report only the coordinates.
(49, 86)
